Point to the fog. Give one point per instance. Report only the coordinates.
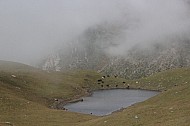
(152, 21)
(31, 29)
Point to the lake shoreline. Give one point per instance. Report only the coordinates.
(79, 98)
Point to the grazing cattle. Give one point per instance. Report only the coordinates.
(56, 99)
(115, 76)
(123, 82)
(99, 83)
(128, 86)
(99, 80)
(107, 85)
(103, 77)
(116, 85)
(102, 85)
(102, 81)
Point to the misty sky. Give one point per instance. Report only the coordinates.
(30, 29)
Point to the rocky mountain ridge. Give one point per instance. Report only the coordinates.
(88, 52)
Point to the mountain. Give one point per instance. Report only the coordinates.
(144, 62)
(85, 52)
(89, 51)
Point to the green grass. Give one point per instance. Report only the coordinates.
(28, 97)
(170, 108)
(25, 100)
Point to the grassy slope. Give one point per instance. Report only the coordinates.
(24, 99)
(170, 108)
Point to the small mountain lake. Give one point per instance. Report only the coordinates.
(104, 102)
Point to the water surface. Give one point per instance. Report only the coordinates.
(104, 102)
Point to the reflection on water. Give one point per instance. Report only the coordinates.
(104, 102)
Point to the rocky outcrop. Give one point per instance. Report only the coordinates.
(159, 57)
(88, 52)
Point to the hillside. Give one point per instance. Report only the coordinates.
(169, 108)
(156, 58)
(90, 51)
(27, 95)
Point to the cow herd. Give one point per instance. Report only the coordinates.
(102, 81)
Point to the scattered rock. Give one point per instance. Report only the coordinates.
(171, 108)
(8, 122)
(136, 117)
(13, 76)
(17, 88)
(56, 99)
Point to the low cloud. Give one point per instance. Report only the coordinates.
(31, 29)
(152, 21)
